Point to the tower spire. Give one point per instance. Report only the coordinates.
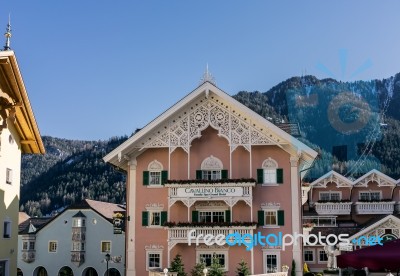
(8, 34)
(207, 77)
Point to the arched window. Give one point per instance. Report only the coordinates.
(269, 173)
(211, 169)
(155, 175)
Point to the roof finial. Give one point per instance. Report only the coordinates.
(207, 77)
(8, 34)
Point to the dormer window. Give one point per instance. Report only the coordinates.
(211, 169)
(79, 220)
(155, 175)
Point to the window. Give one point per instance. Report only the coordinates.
(78, 246)
(4, 268)
(153, 260)
(269, 173)
(271, 262)
(154, 218)
(212, 216)
(207, 258)
(79, 222)
(32, 245)
(155, 176)
(9, 176)
(271, 218)
(106, 246)
(370, 196)
(25, 245)
(211, 175)
(7, 229)
(323, 257)
(309, 255)
(330, 196)
(53, 246)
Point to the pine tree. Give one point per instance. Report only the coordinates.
(293, 272)
(242, 269)
(198, 269)
(216, 268)
(177, 266)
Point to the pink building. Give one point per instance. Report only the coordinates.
(210, 165)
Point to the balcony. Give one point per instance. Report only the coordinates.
(179, 234)
(372, 208)
(333, 208)
(320, 221)
(28, 256)
(304, 194)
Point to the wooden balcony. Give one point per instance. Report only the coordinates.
(371, 208)
(333, 208)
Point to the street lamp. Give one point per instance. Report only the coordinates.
(205, 271)
(107, 260)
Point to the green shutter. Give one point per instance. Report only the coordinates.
(164, 217)
(145, 177)
(228, 216)
(145, 218)
(281, 218)
(199, 174)
(164, 177)
(224, 174)
(261, 216)
(195, 216)
(260, 176)
(279, 176)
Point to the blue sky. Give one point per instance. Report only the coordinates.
(97, 69)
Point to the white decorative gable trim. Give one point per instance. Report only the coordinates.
(155, 166)
(377, 229)
(332, 177)
(211, 163)
(374, 176)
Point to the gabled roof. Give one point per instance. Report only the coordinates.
(37, 223)
(14, 96)
(207, 93)
(342, 181)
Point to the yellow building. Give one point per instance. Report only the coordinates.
(18, 134)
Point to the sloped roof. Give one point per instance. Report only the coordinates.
(131, 148)
(106, 209)
(22, 216)
(13, 86)
(38, 223)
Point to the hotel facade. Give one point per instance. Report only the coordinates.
(208, 166)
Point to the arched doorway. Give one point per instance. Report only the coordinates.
(90, 271)
(40, 271)
(19, 272)
(112, 272)
(65, 271)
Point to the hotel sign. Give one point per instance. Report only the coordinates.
(209, 191)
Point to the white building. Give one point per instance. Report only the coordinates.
(75, 242)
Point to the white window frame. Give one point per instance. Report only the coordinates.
(50, 248)
(369, 192)
(313, 254)
(319, 259)
(269, 166)
(101, 246)
(25, 245)
(9, 176)
(155, 167)
(225, 252)
(80, 246)
(78, 222)
(211, 174)
(330, 194)
(276, 218)
(148, 252)
(34, 245)
(7, 229)
(211, 168)
(267, 252)
(212, 211)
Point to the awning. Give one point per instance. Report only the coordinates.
(376, 258)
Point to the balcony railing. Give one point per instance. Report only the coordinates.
(333, 208)
(180, 234)
(370, 208)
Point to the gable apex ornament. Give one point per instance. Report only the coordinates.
(207, 77)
